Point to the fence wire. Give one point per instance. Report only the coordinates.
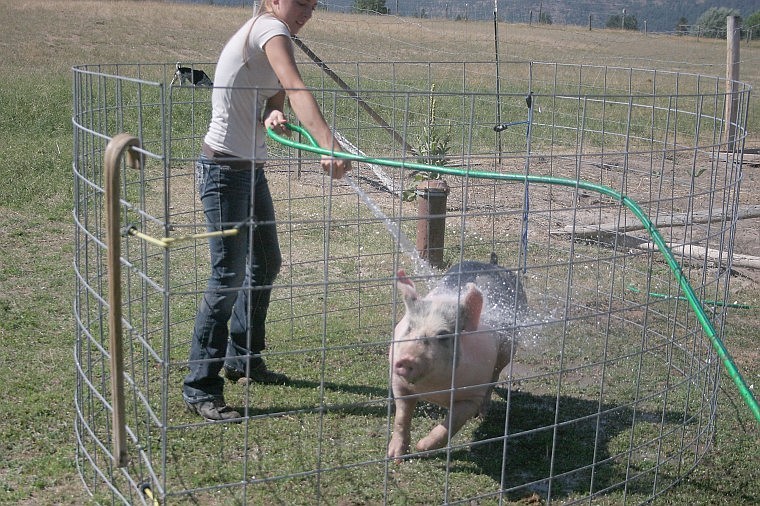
(611, 393)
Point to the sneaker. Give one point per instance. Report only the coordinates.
(259, 374)
(213, 410)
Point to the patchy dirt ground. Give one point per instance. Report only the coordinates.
(695, 210)
(747, 238)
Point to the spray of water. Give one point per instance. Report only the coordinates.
(419, 266)
(524, 326)
(497, 313)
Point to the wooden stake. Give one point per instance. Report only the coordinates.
(732, 77)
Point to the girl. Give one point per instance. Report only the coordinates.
(255, 73)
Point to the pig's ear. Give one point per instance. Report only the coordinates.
(406, 287)
(401, 277)
(473, 306)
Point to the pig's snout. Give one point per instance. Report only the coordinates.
(405, 367)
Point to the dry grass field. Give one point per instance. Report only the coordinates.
(41, 41)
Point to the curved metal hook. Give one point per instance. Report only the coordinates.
(115, 150)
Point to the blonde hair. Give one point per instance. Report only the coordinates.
(264, 8)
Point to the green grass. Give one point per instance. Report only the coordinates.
(37, 287)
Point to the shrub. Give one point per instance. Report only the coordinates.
(712, 23)
(618, 21)
(371, 6)
(752, 25)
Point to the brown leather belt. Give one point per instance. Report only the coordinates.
(223, 158)
(210, 153)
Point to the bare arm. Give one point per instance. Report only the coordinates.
(274, 104)
(279, 52)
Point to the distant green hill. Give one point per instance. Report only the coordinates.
(659, 15)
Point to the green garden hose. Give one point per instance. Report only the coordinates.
(632, 206)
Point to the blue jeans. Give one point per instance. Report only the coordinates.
(243, 268)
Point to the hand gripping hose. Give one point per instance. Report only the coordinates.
(707, 327)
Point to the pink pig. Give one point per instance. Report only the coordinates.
(440, 333)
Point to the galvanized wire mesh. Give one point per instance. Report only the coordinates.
(612, 390)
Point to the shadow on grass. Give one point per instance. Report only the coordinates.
(586, 452)
(374, 401)
(558, 448)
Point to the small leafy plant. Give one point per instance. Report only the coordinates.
(432, 146)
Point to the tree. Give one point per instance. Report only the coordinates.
(628, 23)
(545, 18)
(712, 23)
(370, 6)
(682, 27)
(752, 25)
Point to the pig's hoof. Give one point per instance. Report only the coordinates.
(437, 438)
(428, 443)
(393, 454)
(397, 450)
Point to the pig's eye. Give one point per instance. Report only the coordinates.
(443, 334)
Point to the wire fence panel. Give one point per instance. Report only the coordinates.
(611, 392)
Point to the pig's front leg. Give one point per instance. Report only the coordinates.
(399, 444)
(459, 413)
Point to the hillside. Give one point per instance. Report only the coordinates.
(660, 15)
